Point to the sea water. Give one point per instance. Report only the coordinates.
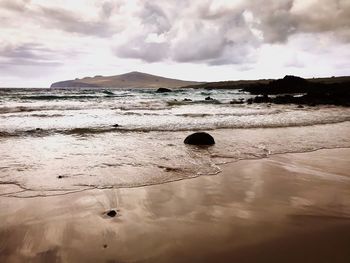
(57, 141)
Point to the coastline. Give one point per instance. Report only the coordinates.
(284, 208)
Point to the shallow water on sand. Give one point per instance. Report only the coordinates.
(282, 209)
(58, 141)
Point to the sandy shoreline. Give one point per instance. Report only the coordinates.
(286, 208)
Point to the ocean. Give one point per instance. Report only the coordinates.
(58, 141)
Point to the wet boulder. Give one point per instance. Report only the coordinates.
(200, 138)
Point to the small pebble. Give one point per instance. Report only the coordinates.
(112, 213)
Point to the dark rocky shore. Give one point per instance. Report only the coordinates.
(291, 90)
(296, 90)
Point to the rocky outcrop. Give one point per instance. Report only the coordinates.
(163, 90)
(295, 90)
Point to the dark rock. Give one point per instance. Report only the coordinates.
(300, 106)
(296, 90)
(185, 99)
(289, 84)
(284, 99)
(209, 98)
(105, 246)
(116, 125)
(199, 138)
(262, 99)
(112, 213)
(236, 102)
(163, 90)
(107, 92)
(60, 176)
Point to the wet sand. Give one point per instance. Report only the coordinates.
(286, 208)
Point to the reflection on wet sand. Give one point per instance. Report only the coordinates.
(288, 208)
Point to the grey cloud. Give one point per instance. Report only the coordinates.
(223, 36)
(153, 16)
(26, 59)
(70, 22)
(197, 31)
(29, 54)
(26, 62)
(273, 19)
(28, 69)
(280, 19)
(138, 49)
(200, 44)
(200, 36)
(108, 8)
(65, 20)
(14, 5)
(325, 15)
(24, 51)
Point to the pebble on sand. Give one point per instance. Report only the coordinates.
(111, 213)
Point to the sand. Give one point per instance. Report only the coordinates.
(285, 208)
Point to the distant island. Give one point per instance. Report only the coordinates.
(129, 80)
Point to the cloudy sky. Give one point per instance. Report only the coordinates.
(42, 41)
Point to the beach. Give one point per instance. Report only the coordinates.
(292, 207)
(137, 131)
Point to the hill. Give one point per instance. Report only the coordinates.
(129, 80)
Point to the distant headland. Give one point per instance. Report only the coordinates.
(129, 80)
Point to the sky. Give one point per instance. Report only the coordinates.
(43, 41)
